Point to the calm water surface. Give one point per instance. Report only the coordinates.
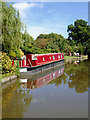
(61, 92)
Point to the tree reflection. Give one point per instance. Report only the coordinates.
(78, 77)
(59, 80)
(75, 75)
(15, 102)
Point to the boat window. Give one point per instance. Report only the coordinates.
(59, 72)
(53, 57)
(58, 56)
(34, 57)
(54, 75)
(43, 59)
(50, 77)
(43, 80)
(50, 58)
(61, 56)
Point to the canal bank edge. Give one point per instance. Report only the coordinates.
(9, 78)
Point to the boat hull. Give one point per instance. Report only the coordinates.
(42, 67)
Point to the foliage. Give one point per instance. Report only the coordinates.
(27, 40)
(41, 42)
(51, 42)
(17, 67)
(11, 29)
(7, 64)
(79, 35)
(81, 48)
(16, 53)
(8, 74)
(29, 45)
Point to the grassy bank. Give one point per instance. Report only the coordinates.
(6, 75)
(70, 57)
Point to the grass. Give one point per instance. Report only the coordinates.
(7, 74)
(68, 57)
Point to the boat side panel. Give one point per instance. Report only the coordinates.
(43, 59)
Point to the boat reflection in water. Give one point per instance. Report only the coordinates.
(46, 78)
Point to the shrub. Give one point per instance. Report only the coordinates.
(7, 64)
(16, 53)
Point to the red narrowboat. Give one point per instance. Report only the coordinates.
(37, 60)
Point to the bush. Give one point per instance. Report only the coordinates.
(17, 53)
(7, 64)
(54, 51)
(12, 54)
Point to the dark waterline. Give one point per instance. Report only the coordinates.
(61, 92)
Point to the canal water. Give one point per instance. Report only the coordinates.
(60, 92)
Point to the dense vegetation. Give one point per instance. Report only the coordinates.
(51, 42)
(79, 36)
(15, 43)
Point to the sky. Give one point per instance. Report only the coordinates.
(51, 17)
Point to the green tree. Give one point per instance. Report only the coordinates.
(51, 42)
(80, 33)
(11, 29)
(29, 44)
(80, 48)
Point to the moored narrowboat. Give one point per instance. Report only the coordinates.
(33, 61)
